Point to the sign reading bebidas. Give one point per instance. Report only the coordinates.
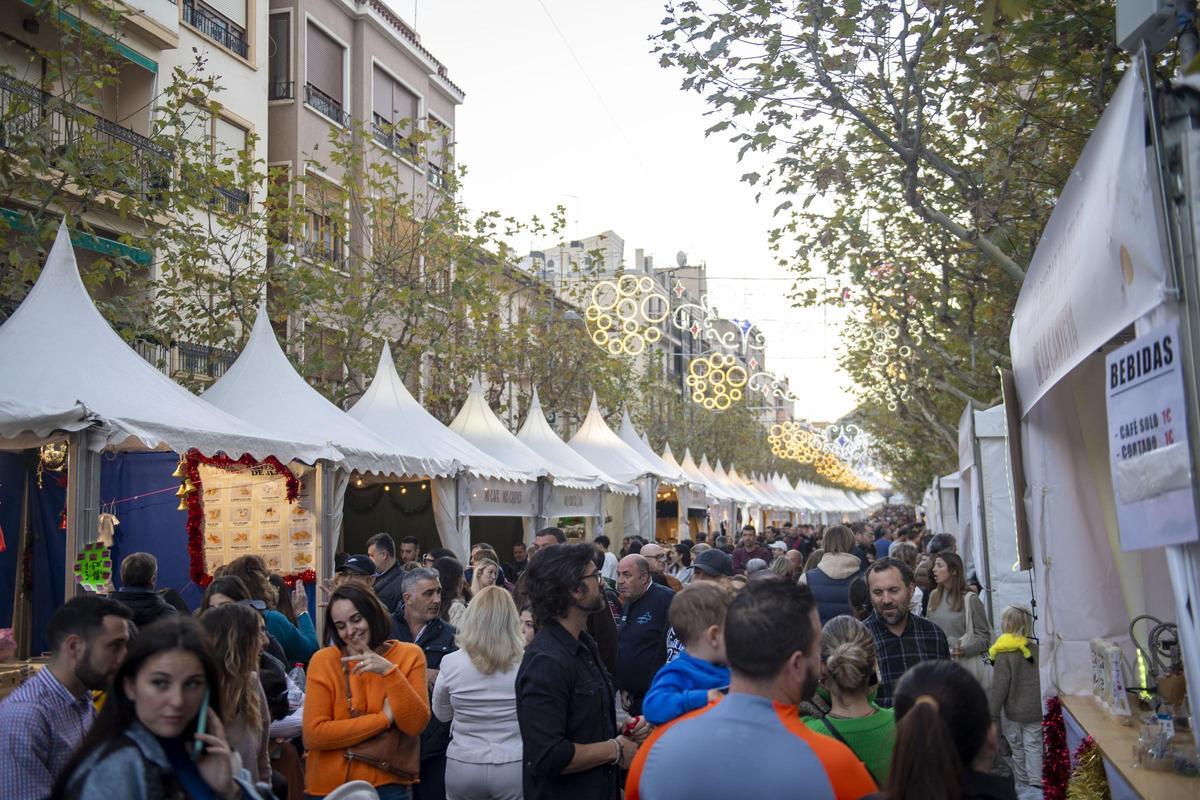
(1148, 442)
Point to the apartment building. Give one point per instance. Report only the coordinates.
(154, 38)
(334, 62)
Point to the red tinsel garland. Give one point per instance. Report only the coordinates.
(1056, 758)
(195, 509)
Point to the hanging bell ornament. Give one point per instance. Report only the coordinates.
(182, 504)
(179, 472)
(188, 486)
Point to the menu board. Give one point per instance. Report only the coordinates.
(246, 512)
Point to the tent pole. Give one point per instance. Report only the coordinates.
(21, 617)
(83, 503)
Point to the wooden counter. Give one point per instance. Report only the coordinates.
(1116, 743)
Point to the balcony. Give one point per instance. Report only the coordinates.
(385, 134)
(437, 176)
(325, 105)
(59, 127)
(186, 361)
(231, 201)
(216, 26)
(324, 252)
(281, 90)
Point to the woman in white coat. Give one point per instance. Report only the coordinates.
(476, 693)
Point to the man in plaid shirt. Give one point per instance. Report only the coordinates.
(45, 719)
(901, 638)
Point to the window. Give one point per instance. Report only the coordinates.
(322, 355)
(279, 59)
(439, 148)
(322, 223)
(396, 111)
(223, 21)
(326, 71)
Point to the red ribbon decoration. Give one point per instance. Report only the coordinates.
(195, 509)
(1056, 761)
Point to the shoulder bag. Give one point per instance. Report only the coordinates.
(977, 665)
(391, 751)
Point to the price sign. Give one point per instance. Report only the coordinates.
(93, 567)
(1148, 442)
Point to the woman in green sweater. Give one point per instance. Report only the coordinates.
(848, 673)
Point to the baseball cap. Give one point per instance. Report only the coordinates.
(778, 546)
(714, 562)
(358, 565)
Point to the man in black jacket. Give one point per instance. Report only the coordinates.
(139, 571)
(381, 549)
(642, 630)
(417, 622)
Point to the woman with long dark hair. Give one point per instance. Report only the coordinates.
(681, 563)
(237, 632)
(144, 743)
(945, 738)
(300, 640)
(959, 613)
(358, 688)
(455, 592)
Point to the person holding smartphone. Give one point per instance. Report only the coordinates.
(149, 740)
(357, 688)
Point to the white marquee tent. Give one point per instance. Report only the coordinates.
(597, 443)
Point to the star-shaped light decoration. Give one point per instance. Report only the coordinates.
(753, 363)
(695, 329)
(679, 288)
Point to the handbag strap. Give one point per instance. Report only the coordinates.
(838, 735)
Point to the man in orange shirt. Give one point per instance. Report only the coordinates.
(772, 642)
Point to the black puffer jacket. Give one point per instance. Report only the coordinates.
(147, 605)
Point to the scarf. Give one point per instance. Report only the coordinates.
(1009, 643)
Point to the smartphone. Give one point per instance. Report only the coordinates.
(201, 724)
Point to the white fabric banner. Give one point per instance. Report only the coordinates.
(562, 501)
(488, 497)
(1101, 261)
(445, 516)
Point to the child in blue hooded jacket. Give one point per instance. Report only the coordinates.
(698, 675)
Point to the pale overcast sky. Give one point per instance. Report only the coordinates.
(627, 155)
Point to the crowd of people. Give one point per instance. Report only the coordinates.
(847, 661)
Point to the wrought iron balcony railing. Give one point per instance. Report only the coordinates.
(326, 105)
(281, 90)
(60, 127)
(216, 26)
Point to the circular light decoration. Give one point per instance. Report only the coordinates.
(623, 315)
(798, 442)
(717, 381)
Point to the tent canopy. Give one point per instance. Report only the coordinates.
(563, 462)
(479, 425)
(597, 443)
(77, 373)
(295, 410)
(391, 412)
(661, 469)
(711, 488)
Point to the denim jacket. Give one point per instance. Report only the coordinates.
(134, 767)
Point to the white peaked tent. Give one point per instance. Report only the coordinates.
(392, 413)
(66, 371)
(722, 500)
(597, 443)
(578, 485)
(77, 373)
(479, 425)
(691, 495)
(297, 410)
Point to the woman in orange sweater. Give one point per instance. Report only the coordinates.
(357, 688)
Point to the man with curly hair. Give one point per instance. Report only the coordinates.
(565, 702)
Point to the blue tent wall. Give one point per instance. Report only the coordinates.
(12, 484)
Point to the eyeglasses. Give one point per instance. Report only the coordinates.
(595, 575)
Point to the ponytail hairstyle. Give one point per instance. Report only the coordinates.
(848, 653)
(942, 723)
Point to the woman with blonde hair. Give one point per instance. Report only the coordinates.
(486, 574)
(960, 614)
(848, 673)
(476, 692)
(238, 633)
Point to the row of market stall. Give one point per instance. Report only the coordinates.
(1076, 496)
(262, 463)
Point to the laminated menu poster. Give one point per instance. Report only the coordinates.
(246, 511)
(1148, 441)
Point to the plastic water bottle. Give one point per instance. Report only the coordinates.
(295, 687)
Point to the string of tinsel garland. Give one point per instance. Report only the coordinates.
(1056, 759)
(195, 509)
(1088, 780)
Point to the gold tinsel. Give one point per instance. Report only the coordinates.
(1088, 781)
